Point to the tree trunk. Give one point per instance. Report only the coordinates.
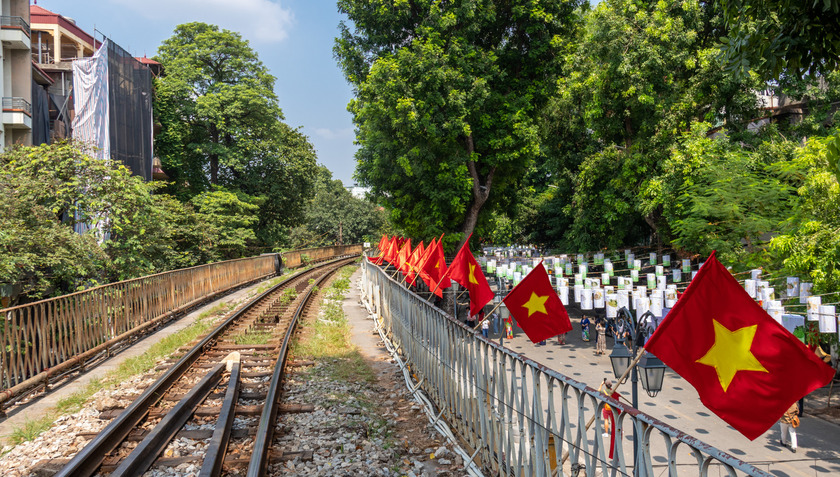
(214, 158)
(481, 191)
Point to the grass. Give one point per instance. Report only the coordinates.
(128, 369)
(328, 337)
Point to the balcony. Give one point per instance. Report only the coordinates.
(17, 113)
(15, 33)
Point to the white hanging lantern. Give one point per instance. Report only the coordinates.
(637, 264)
(578, 292)
(612, 305)
(634, 275)
(656, 305)
(605, 278)
(651, 280)
(755, 274)
(623, 299)
(792, 287)
(686, 266)
(586, 299)
(642, 306)
(749, 287)
(666, 261)
(608, 268)
(670, 296)
(676, 275)
(653, 258)
(598, 300)
(828, 319)
(775, 310)
(563, 293)
(804, 292)
(660, 271)
(814, 303)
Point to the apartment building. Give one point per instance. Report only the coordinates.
(16, 80)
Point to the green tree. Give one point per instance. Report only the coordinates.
(644, 71)
(334, 216)
(810, 244)
(772, 37)
(215, 102)
(448, 100)
(717, 194)
(222, 125)
(48, 191)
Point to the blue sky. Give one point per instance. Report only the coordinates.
(293, 38)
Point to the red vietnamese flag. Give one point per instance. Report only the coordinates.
(412, 262)
(379, 257)
(465, 270)
(391, 251)
(747, 368)
(422, 262)
(537, 308)
(403, 256)
(435, 269)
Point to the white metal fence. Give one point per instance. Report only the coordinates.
(520, 418)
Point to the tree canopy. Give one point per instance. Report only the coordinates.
(447, 102)
(777, 37)
(223, 127)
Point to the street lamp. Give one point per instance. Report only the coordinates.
(653, 370)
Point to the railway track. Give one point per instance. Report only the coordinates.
(223, 394)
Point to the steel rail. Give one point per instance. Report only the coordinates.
(87, 461)
(261, 452)
(147, 452)
(217, 448)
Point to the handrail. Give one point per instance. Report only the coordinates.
(11, 21)
(17, 104)
(43, 339)
(518, 416)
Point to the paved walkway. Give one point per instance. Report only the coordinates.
(679, 406)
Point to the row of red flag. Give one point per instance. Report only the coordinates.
(533, 302)
(746, 367)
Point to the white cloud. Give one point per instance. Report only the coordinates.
(330, 134)
(263, 21)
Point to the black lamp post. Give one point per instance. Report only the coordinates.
(653, 370)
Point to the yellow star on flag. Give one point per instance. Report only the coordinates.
(472, 274)
(536, 303)
(731, 353)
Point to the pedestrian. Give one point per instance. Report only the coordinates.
(601, 339)
(584, 328)
(788, 424)
(561, 338)
(485, 328)
(509, 328)
(494, 320)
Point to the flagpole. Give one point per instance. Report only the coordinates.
(615, 389)
(501, 301)
(450, 268)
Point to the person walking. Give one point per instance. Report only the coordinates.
(788, 424)
(485, 328)
(584, 328)
(601, 338)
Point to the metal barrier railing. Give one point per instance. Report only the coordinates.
(7, 21)
(46, 338)
(297, 258)
(519, 417)
(11, 104)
